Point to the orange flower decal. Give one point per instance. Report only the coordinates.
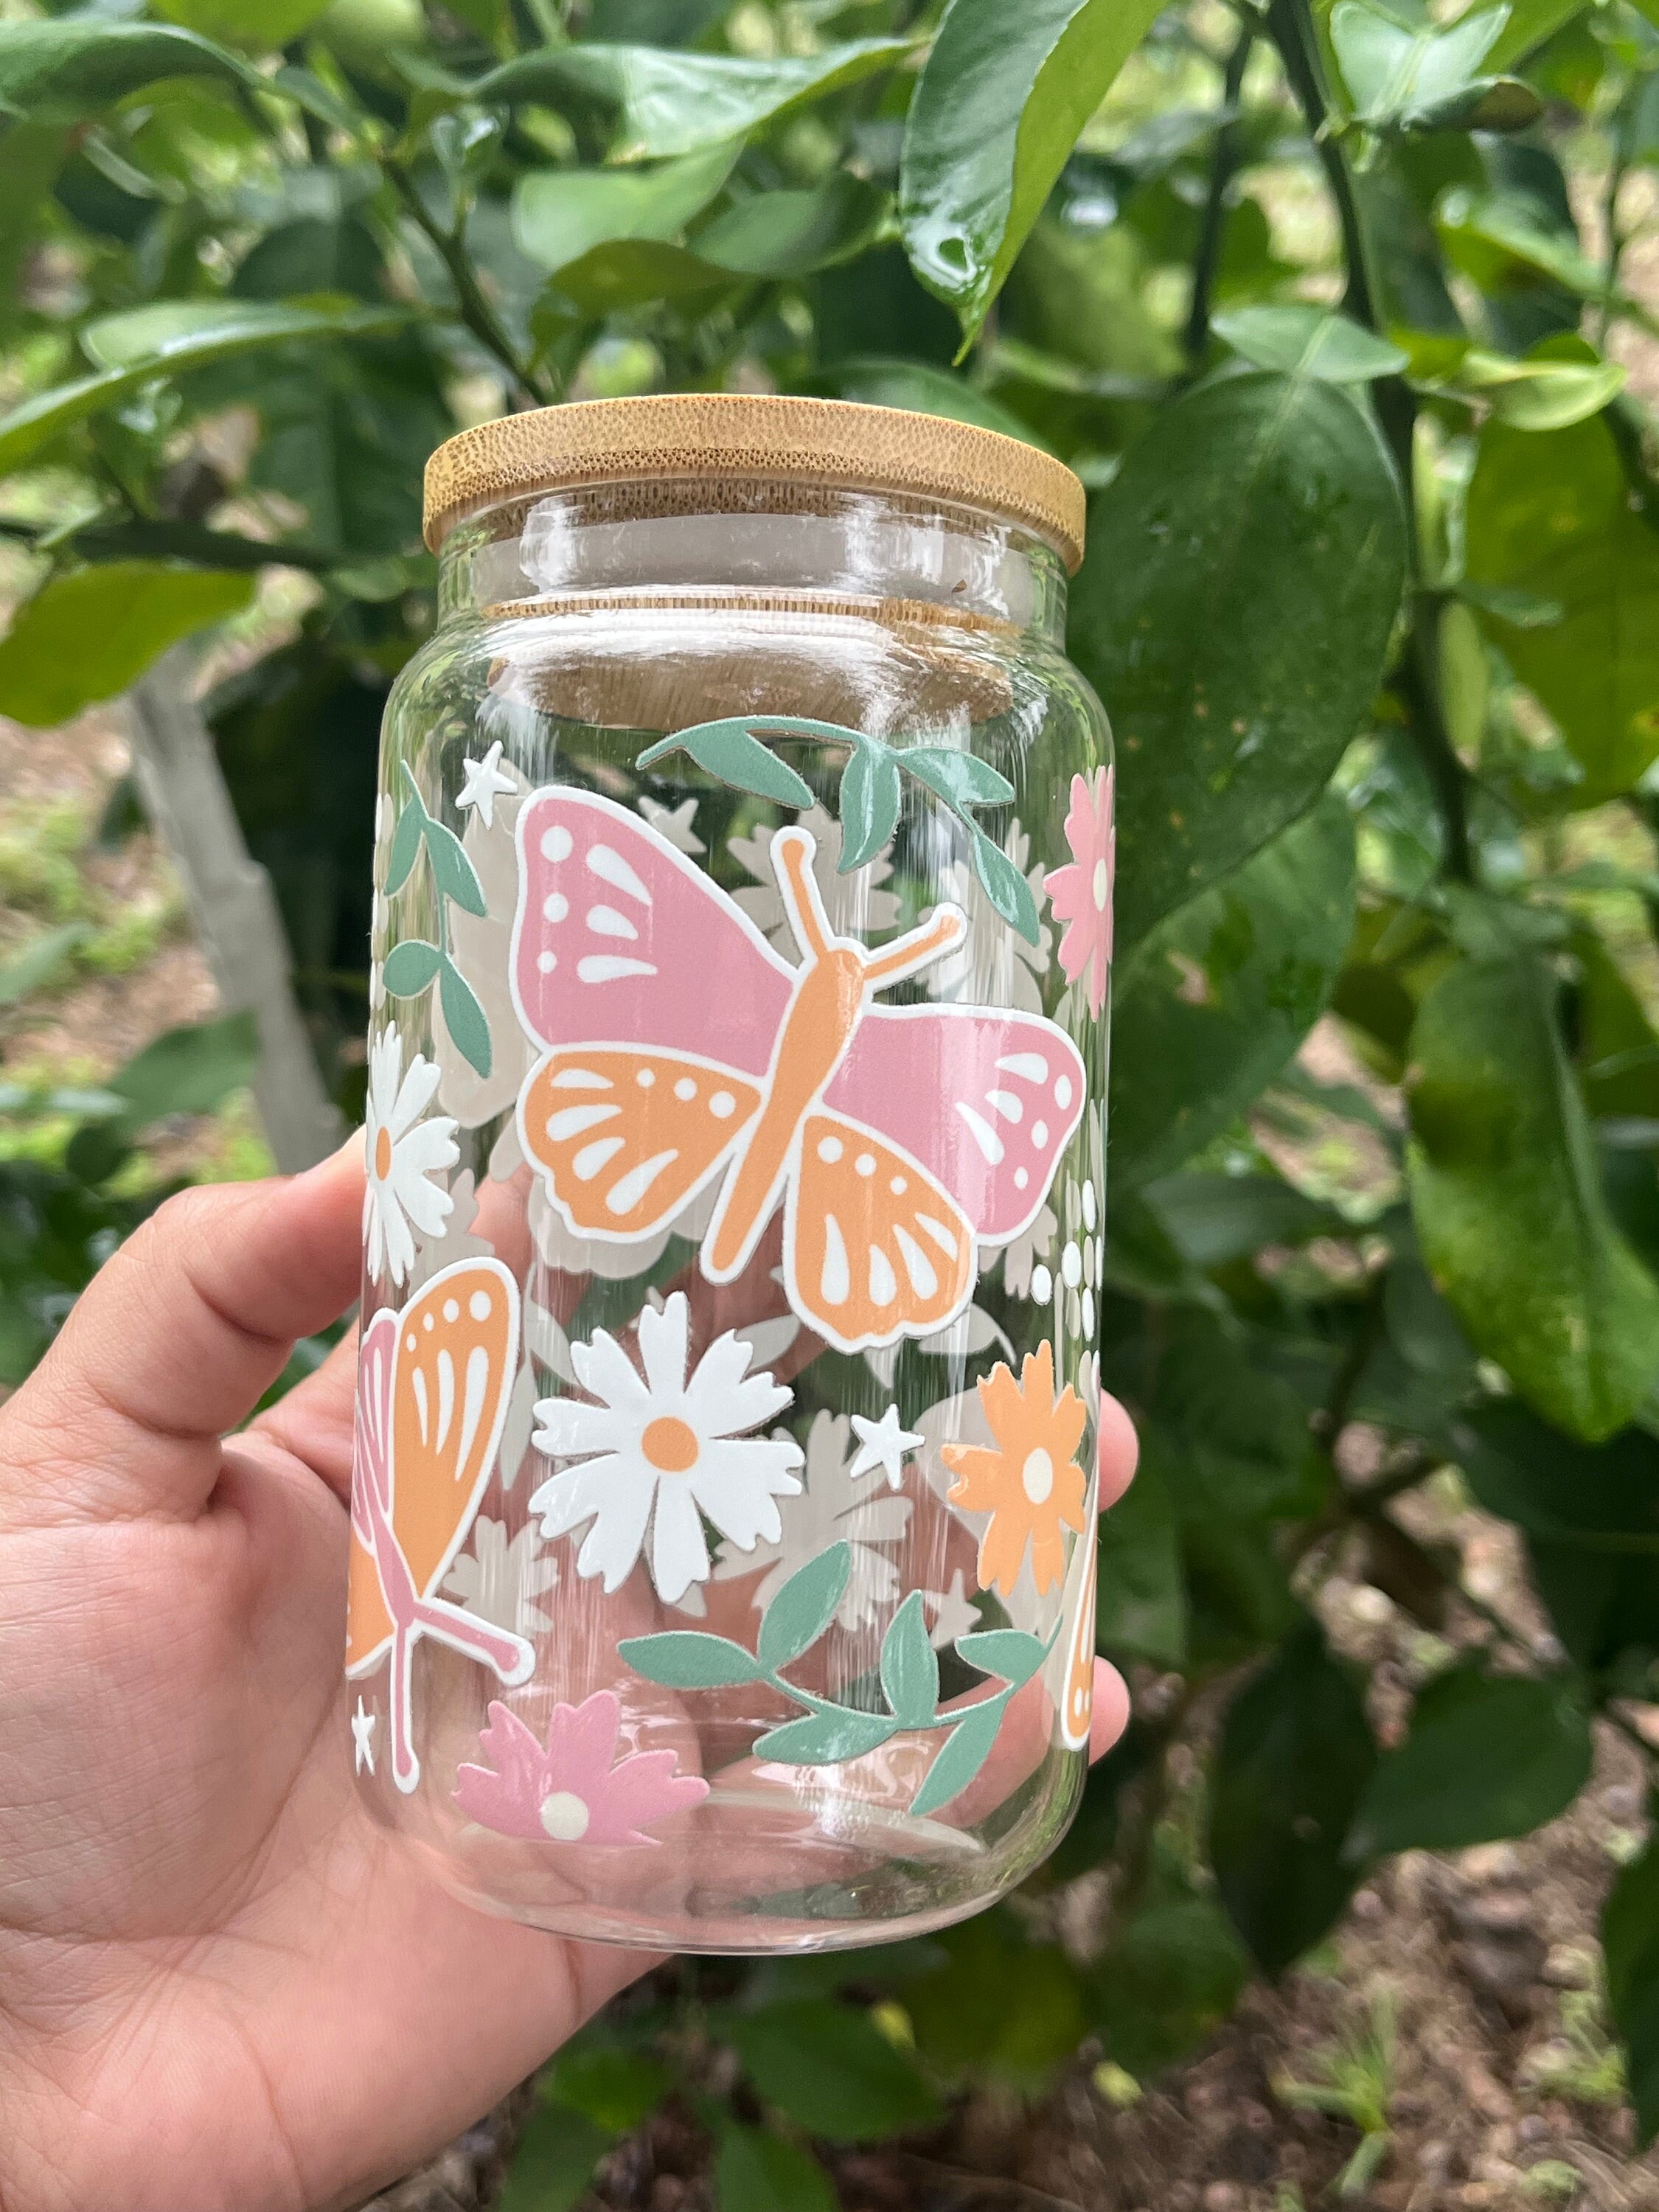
(1030, 1485)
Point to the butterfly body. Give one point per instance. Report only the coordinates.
(680, 1047)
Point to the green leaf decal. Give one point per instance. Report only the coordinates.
(1488, 1756)
(871, 795)
(730, 750)
(686, 1659)
(826, 1738)
(909, 1665)
(962, 780)
(406, 840)
(452, 872)
(410, 968)
(804, 1607)
(960, 1758)
(1005, 887)
(1007, 1652)
(465, 1018)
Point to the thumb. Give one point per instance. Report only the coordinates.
(174, 1343)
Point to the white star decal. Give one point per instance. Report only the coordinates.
(882, 1444)
(485, 783)
(362, 1737)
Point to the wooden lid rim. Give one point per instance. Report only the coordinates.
(836, 442)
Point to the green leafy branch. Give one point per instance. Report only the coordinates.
(872, 791)
(413, 961)
(690, 1659)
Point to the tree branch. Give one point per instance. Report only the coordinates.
(143, 539)
(1223, 161)
(476, 311)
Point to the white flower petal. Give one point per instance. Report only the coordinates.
(605, 1370)
(662, 1346)
(613, 1542)
(414, 1095)
(568, 1428)
(679, 1556)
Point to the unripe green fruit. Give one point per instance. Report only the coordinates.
(362, 30)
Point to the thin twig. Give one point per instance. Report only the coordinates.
(1223, 161)
(476, 311)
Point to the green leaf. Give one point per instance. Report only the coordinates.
(1530, 23)
(1406, 77)
(1538, 394)
(1490, 236)
(190, 1070)
(1247, 568)
(1488, 1756)
(1000, 101)
(465, 1018)
(65, 71)
(959, 1759)
(1005, 887)
(1294, 1754)
(39, 962)
(672, 103)
(166, 341)
(827, 2068)
(1549, 514)
(825, 1739)
(91, 634)
(617, 2089)
(791, 233)
(909, 1665)
(261, 26)
(756, 2172)
(1630, 1944)
(560, 214)
(804, 1607)
(1511, 1215)
(870, 796)
(1009, 1653)
(961, 778)
(729, 751)
(1595, 1497)
(630, 271)
(922, 388)
(1211, 1004)
(998, 2004)
(686, 1659)
(410, 968)
(1168, 1982)
(1310, 342)
(1141, 1605)
(553, 2161)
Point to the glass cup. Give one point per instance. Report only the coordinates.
(722, 1573)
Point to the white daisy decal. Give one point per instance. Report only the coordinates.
(404, 1147)
(665, 1451)
(820, 1516)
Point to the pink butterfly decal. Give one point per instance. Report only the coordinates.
(680, 1048)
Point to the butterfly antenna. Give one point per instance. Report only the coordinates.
(792, 862)
(948, 927)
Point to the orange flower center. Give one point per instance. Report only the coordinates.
(670, 1443)
(1037, 1475)
(382, 1153)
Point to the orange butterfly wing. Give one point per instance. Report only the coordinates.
(455, 1354)
(626, 1136)
(873, 1246)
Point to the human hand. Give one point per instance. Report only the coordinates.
(221, 1982)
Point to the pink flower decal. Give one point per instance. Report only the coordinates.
(575, 1791)
(1081, 893)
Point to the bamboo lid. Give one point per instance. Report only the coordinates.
(835, 442)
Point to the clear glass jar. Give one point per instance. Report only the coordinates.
(724, 1504)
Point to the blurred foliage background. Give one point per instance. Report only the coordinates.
(1340, 313)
